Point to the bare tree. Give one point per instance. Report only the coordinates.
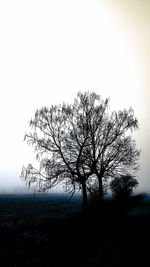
(117, 152)
(81, 144)
(59, 145)
(111, 150)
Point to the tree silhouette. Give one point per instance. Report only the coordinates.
(81, 144)
(59, 145)
(123, 186)
(111, 150)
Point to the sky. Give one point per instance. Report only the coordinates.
(50, 50)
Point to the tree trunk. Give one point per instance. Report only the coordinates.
(84, 195)
(100, 189)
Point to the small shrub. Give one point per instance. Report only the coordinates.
(123, 186)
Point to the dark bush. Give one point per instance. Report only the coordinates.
(123, 186)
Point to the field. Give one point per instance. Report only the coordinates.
(52, 231)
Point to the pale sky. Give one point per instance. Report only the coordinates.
(50, 50)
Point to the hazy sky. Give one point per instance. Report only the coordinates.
(49, 50)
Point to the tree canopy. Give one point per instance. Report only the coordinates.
(81, 144)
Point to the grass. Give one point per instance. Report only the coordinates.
(52, 231)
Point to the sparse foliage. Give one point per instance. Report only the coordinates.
(81, 144)
(111, 150)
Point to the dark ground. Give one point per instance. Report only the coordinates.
(52, 231)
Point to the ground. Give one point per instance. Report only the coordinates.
(52, 231)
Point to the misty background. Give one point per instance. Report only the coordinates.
(50, 50)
